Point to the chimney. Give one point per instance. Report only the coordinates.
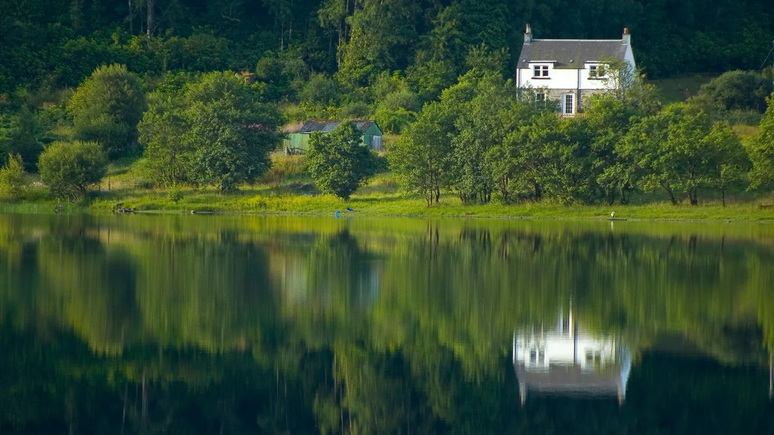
(528, 34)
(627, 38)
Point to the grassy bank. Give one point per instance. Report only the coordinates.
(287, 189)
(382, 198)
(256, 200)
(401, 205)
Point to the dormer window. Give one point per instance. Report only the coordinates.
(596, 72)
(539, 71)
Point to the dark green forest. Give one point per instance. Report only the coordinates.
(58, 43)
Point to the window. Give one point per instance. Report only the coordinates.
(568, 104)
(596, 72)
(539, 71)
(540, 97)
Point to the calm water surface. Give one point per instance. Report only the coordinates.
(263, 325)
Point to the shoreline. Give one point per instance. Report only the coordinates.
(399, 206)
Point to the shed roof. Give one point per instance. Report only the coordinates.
(571, 53)
(328, 126)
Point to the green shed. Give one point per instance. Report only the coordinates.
(297, 140)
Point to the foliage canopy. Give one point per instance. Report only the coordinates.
(338, 161)
(70, 169)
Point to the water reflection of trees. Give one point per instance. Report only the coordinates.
(346, 331)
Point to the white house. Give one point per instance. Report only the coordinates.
(569, 70)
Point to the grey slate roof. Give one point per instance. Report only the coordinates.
(328, 126)
(571, 53)
(570, 380)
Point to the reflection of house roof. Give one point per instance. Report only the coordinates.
(570, 380)
(328, 126)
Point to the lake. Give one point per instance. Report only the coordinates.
(192, 324)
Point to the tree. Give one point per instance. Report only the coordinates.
(727, 159)
(162, 132)
(681, 150)
(69, 169)
(486, 110)
(553, 158)
(608, 120)
(231, 130)
(379, 38)
(422, 157)
(13, 179)
(107, 107)
(23, 137)
(642, 147)
(338, 162)
(761, 150)
(214, 131)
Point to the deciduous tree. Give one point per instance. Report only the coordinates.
(339, 162)
(107, 107)
(70, 169)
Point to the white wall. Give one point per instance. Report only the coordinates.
(558, 348)
(587, 82)
(629, 57)
(566, 78)
(557, 78)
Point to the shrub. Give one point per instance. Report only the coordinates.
(397, 110)
(69, 169)
(175, 195)
(737, 90)
(13, 180)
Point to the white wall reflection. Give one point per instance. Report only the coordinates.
(565, 359)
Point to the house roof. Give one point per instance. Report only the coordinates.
(328, 126)
(571, 53)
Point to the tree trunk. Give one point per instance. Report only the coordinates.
(131, 19)
(723, 196)
(624, 198)
(693, 195)
(149, 20)
(668, 189)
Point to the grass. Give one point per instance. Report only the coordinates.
(287, 189)
(382, 198)
(678, 89)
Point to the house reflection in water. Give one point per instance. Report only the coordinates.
(563, 359)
